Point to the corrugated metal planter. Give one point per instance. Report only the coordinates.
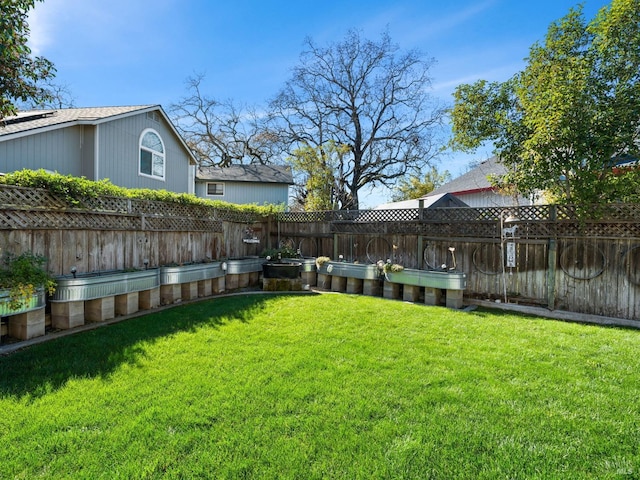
(308, 263)
(281, 269)
(171, 275)
(429, 278)
(90, 286)
(239, 266)
(37, 300)
(350, 270)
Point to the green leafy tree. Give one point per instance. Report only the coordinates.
(369, 96)
(20, 73)
(415, 186)
(315, 168)
(560, 124)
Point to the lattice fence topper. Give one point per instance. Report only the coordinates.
(534, 221)
(22, 207)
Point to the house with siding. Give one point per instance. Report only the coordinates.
(245, 184)
(132, 146)
(475, 189)
(443, 200)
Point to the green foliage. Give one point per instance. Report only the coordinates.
(22, 275)
(75, 190)
(388, 267)
(285, 252)
(416, 187)
(316, 166)
(560, 123)
(19, 71)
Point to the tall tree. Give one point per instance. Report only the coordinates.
(369, 96)
(20, 73)
(219, 132)
(416, 186)
(561, 123)
(315, 168)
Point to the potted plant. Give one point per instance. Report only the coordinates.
(320, 261)
(21, 278)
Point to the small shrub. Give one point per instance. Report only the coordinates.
(320, 261)
(386, 267)
(285, 252)
(22, 275)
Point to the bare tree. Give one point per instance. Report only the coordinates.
(366, 95)
(219, 132)
(58, 96)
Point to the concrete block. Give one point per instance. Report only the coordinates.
(371, 288)
(127, 303)
(189, 290)
(27, 325)
(100, 309)
(170, 294)
(204, 288)
(148, 299)
(454, 298)
(338, 284)
(391, 290)
(66, 315)
(354, 285)
(432, 296)
(411, 293)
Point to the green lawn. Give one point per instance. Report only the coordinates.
(324, 386)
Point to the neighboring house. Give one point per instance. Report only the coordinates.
(133, 147)
(259, 184)
(475, 190)
(442, 200)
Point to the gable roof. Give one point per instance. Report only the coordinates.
(441, 200)
(29, 122)
(475, 180)
(247, 173)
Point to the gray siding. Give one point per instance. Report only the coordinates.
(490, 199)
(72, 150)
(247, 192)
(119, 154)
(57, 150)
(88, 151)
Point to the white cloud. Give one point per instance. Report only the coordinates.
(416, 30)
(79, 24)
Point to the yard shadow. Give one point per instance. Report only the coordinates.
(43, 368)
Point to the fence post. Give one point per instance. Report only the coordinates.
(552, 262)
(420, 247)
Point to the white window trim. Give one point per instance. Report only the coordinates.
(215, 183)
(164, 155)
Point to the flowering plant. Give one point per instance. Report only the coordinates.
(386, 267)
(22, 275)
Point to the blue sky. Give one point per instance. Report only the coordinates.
(135, 52)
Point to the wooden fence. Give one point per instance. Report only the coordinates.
(562, 261)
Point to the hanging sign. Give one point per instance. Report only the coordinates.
(511, 254)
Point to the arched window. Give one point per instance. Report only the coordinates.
(151, 154)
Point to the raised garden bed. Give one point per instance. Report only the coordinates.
(26, 321)
(99, 296)
(189, 281)
(434, 283)
(243, 272)
(350, 277)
